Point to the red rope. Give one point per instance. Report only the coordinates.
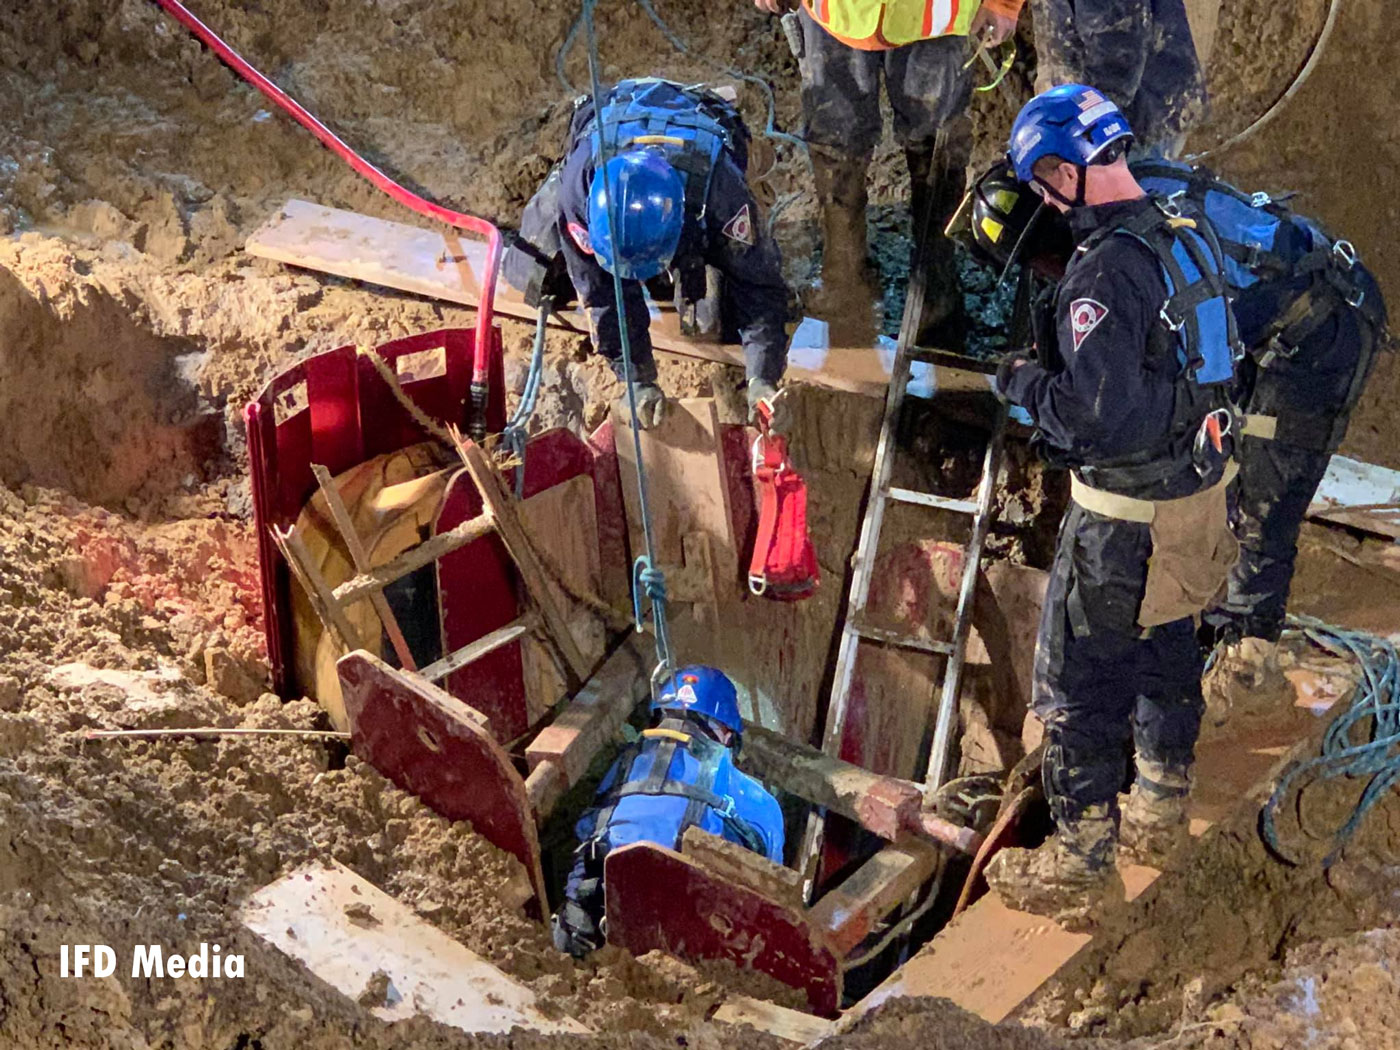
(333, 142)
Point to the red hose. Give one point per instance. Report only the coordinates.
(482, 359)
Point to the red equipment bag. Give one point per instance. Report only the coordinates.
(784, 563)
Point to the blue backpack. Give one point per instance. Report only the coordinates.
(692, 124)
(1269, 249)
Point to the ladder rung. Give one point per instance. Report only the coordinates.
(904, 641)
(489, 643)
(931, 356)
(928, 499)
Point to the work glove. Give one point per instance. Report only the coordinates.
(762, 390)
(1008, 365)
(651, 405)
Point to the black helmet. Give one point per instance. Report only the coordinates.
(1004, 223)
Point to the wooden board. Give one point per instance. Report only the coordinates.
(345, 930)
(561, 753)
(780, 1021)
(436, 747)
(1204, 18)
(660, 900)
(443, 265)
(1360, 496)
(562, 521)
(688, 487)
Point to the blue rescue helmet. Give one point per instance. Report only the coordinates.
(650, 212)
(1072, 121)
(703, 691)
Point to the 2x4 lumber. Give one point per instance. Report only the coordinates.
(501, 511)
(318, 592)
(345, 525)
(733, 863)
(561, 753)
(850, 912)
(427, 552)
(886, 806)
(474, 651)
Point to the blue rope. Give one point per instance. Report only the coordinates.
(644, 571)
(1362, 742)
(515, 433)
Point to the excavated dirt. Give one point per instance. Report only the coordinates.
(132, 164)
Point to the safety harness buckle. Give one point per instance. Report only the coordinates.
(1173, 324)
(1169, 206)
(1260, 200)
(1346, 252)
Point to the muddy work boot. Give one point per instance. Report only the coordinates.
(849, 290)
(1067, 879)
(1155, 825)
(1244, 675)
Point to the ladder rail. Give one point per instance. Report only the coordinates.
(962, 622)
(863, 564)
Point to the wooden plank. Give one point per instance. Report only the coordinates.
(442, 265)
(849, 913)
(561, 526)
(595, 713)
(733, 862)
(1360, 496)
(780, 1021)
(318, 592)
(489, 643)
(411, 560)
(347, 931)
(1204, 18)
(500, 506)
(360, 557)
(687, 486)
(879, 804)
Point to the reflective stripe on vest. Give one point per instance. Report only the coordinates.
(878, 25)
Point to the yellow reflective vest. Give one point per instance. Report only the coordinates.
(878, 25)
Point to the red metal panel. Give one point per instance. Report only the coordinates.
(658, 899)
(477, 589)
(427, 743)
(322, 402)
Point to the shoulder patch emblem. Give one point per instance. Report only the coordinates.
(1084, 317)
(581, 238)
(740, 228)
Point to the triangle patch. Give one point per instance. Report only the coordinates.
(1084, 317)
(740, 227)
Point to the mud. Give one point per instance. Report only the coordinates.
(132, 165)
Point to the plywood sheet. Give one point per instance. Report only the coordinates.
(688, 489)
(443, 265)
(562, 522)
(346, 931)
(1360, 496)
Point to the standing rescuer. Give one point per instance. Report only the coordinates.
(679, 774)
(677, 158)
(1129, 389)
(920, 49)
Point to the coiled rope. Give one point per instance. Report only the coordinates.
(1362, 742)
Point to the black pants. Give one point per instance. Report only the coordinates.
(1101, 681)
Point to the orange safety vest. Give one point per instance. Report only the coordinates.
(878, 25)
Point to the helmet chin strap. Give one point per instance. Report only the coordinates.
(1078, 201)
